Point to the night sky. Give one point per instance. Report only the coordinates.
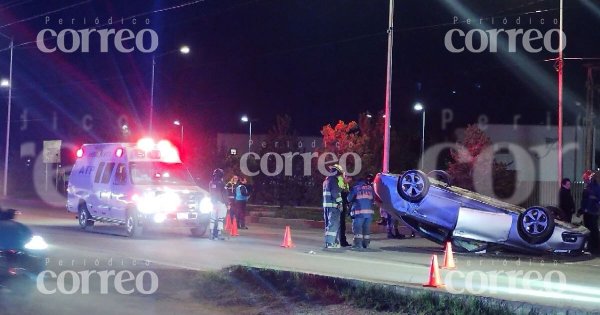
(318, 61)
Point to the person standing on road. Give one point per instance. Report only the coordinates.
(230, 187)
(361, 198)
(565, 200)
(218, 196)
(332, 206)
(344, 183)
(241, 198)
(590, 210)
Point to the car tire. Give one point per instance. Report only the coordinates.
(200, 230)
(133, 226)
(536, 225)
(84, 217)
(413, 185)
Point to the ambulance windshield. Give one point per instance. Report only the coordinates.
(158, 173)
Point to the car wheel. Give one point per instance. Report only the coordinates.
(84, 217)
(200, 230)
(413, 185)
(132, 224)
(536, 225)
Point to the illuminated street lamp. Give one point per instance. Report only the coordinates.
(184, 50)
(4, 83)
(245, 119)
(420, 108)
(178, 123)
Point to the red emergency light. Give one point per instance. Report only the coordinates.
(79, 152)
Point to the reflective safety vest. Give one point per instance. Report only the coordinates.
(241, 193)
(331, 192)
(361, 196)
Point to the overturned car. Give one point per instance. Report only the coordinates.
(473, 222)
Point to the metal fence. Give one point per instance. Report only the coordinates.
(546, 193)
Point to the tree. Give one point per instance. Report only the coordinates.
(474, 149)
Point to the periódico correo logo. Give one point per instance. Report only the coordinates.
(70, 40)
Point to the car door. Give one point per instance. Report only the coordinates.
(120, 190)
(93, 202)
(103, 191)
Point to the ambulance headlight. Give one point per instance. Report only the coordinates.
(169, 201)
(146, 203)
(36, 243)
(160, 217)
(206, 205)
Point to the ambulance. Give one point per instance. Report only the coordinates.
(136, 185)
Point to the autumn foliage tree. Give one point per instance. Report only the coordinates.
(474, 149)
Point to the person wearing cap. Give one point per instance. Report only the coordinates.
(332, 206)
(361, 197)
(591, 210)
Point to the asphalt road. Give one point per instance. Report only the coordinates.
(555, 281)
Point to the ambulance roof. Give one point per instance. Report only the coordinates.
(163, 151)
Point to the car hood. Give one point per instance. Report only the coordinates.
(13, 235)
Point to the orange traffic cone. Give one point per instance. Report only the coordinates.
(435, 281)
(448, 257)
(234, 228)
(287, 238)
(228, 223)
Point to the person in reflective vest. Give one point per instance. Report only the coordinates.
(332, 206)
(242, 194)
(218, 196)
(361, 197)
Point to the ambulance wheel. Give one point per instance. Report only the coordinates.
(84, 217)
(200, 230)
(132, 224)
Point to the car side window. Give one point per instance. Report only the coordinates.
(120, 175)
(99, 172)
(107, 172)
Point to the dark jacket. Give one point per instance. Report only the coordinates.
(590, 199)
(565, 201)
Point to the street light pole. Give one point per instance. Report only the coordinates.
(388, 93)
(178, 123)
(249, 121)
(560, 97)
(250, 137)
(152, 95)
(423, 143)
(183, 50)
(420, 108)
(10, 81)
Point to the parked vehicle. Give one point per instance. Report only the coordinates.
(441, 212)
